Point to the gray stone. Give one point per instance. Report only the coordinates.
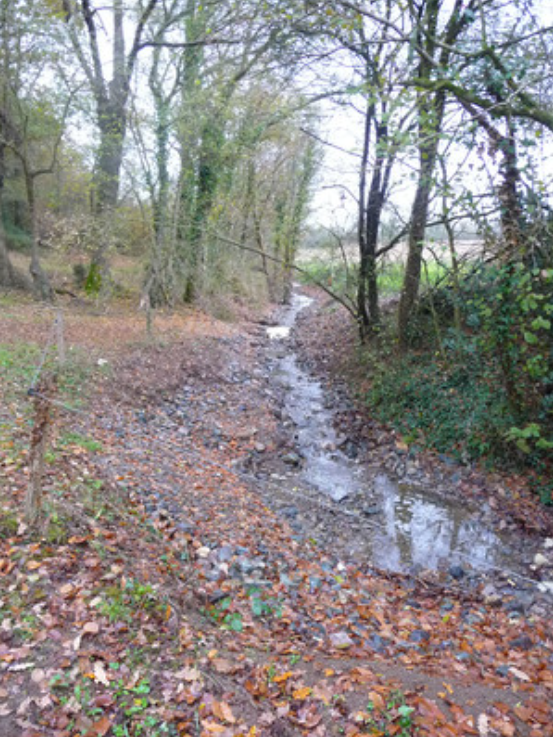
(341, 640)
(522, 643)
(376, 643)
(372, 510)
(217, 596)
(225, 553)
(419, 636)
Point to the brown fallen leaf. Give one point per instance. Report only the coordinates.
(222, 666)
(377, 700)
(188, 674)
(223, 711)
(91, 628)
(213, 727)
(99, 728)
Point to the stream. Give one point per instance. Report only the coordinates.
(396, 526)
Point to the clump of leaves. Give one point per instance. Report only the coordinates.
(394, 718)
(263, 605)
(122, 603)
(136, 712)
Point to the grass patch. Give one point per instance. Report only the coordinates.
(8, 524)
(19, 369)
(82, 441)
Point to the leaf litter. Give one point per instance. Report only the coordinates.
(165, 597)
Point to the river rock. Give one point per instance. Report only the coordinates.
(246, 434)
(292, 459)
(419, 636)
(540, 560)
(522, 643)
(372, 510)
(341, 640)
(203, 552)
(224, 553)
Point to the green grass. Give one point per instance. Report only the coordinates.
(390, 276)
(83, 441)
(19, 369)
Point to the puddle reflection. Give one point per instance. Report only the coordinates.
(417, 530)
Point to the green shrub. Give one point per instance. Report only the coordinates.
(486, 390)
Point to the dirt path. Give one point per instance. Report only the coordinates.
(265, 627)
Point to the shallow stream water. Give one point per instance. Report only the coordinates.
(408, 525)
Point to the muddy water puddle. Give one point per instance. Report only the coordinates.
(397, 526)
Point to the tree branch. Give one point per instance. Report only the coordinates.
(297, 268)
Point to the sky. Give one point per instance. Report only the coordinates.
(334, 203)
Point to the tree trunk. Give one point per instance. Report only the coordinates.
(7, 272)
(375, 204)
(411, 279)
(10, 277)
(41, 282)
(430, 126)
(430, 109)
(112, 124)
(364, 319)
(509, 197)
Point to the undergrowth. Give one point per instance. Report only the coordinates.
(482, 390)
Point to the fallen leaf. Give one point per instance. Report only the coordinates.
(213, 727)
(483, 725)
(91, 628)
(222, 666)
(302, 693)
(67, 590)
(521, 675)
(99, 728)
(377, 700)
(341, 640)
(223, 711)
(188, 674)
(100, 674)
(37, 675)
(283, 677)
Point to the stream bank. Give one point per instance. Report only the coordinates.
(361, 493)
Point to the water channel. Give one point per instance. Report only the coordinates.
(408, 525)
